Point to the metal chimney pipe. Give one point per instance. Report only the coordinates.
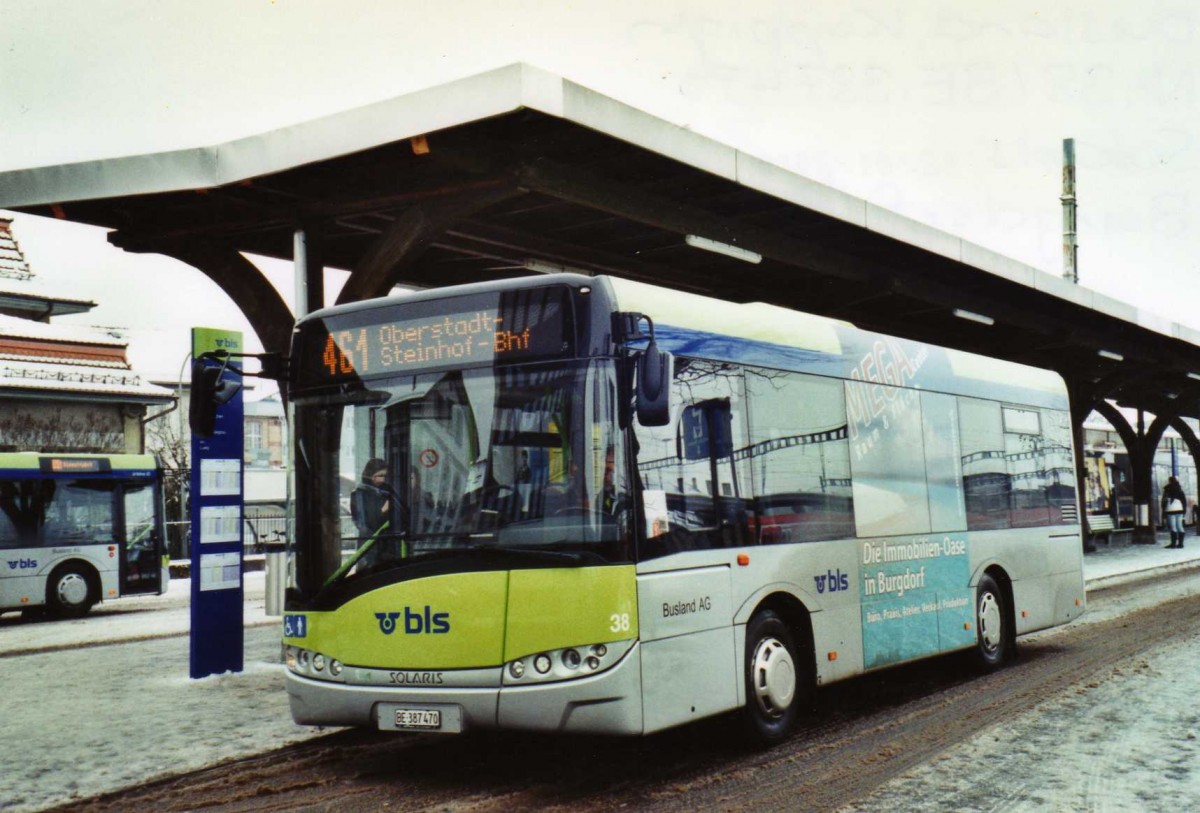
(1070, 245)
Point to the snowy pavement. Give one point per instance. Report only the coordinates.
(86, 710)
(104, 702)
(1127, 740)
(129, 619)
(1120, 561)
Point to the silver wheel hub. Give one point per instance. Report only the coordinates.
(774, 676)
(989, 621)
(72, 589)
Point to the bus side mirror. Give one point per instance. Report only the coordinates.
(654, 374)
(210, 390)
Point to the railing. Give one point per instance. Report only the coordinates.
(255, 532)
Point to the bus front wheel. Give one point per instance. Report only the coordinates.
(776, 679)
(69, 592)
(993, 637)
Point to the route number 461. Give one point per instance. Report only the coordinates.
(618, 622)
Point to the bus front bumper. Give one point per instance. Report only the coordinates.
(605, 703)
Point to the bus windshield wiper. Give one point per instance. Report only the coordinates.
(359, 553)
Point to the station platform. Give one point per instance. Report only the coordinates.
(1120, 559)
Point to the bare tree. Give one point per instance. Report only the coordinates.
(165, 438)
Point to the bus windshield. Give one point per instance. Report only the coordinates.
(521, 462)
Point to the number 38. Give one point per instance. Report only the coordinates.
(618, 622)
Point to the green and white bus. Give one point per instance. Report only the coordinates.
(77, 529)
(572, 503)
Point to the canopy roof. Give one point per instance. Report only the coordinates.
(518, 171)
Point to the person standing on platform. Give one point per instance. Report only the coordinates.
(1174, 506)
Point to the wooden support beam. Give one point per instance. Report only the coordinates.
(269, 316)
(415, 229)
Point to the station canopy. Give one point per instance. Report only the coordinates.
(520, 172)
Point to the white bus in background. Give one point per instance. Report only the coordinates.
(555, 543)
(79, 529)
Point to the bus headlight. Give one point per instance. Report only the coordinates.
(313, 664)
(565, 664)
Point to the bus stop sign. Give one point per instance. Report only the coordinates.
(216, 510)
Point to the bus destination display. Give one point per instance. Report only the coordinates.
(478, 336)
(74, 465)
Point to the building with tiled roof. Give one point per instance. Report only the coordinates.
(63, 388)
(12, 259)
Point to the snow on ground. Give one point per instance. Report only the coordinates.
(126, 619)
(91, 715)
(1128, 740)
(1125, 743)
(83, 714)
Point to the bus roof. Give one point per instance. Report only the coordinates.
(770, 336)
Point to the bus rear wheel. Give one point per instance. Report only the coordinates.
(69, 592)
(993, 637)
(776, 679)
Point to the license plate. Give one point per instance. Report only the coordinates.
(418, 719)
(440, 718)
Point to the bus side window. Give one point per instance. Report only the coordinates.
(986, 483)
(23, 507)
(799, 457)
(10, 517)
(81, 511)
(1017, 465)
(694, 478)
(1057, 460)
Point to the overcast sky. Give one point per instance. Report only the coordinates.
(948, 112)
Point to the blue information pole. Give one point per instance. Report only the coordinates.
(216, 518)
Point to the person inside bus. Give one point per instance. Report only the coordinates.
(1174, 505)
(370, 504)
(568, 494)
(608, 501)
(420, 506)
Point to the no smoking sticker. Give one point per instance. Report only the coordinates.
(429, 458)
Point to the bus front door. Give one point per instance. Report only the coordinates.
(141, 549)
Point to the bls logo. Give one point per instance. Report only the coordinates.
(835, 580)
(22, 564)
(415, 623)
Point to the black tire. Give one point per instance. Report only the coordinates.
(778, 681)
(993, 637)
(70, 591)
